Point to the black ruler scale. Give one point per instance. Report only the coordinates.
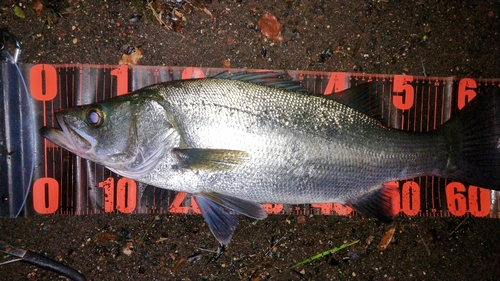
(63, 183)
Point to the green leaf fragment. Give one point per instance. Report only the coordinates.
(18, 11)
(320, 255)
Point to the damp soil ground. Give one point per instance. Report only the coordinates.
(433, 38)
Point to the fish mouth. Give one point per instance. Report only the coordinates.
(68, 137)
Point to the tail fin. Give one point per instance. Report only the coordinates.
(473, 139)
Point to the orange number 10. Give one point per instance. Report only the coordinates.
(125, 195)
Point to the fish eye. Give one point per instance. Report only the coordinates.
(95, 116)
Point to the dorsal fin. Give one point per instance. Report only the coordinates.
(362, 98)
(268, 78)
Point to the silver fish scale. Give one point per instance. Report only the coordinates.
(301, 149)
(208, 99)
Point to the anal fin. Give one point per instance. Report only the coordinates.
(378, 203)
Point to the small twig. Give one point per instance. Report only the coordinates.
(158, 16)
(6, 262)
(458, 226)
(207, 250)
(216, 254)
(425, 245)
(148, 228)
(423, 67)
(274, 244)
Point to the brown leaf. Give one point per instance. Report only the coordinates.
(229, 39)
(104, 237)
(161, 239)
(176, 267)
(384, 242)
(38, 7)
(301, 219)
(226, 63)
(270, 27)
(127, 250)
(132, 58)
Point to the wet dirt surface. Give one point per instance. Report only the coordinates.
(434, 38)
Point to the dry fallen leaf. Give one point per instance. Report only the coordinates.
(38, 7)
(127, 250)
(104, 237)
(384, 242)
(131, 56)
(176, 267)
(161, 239)
(226, 63)
(301, 219)
(270, 27)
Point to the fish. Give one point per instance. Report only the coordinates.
(236, 141)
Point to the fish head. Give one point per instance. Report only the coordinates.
(127, 135)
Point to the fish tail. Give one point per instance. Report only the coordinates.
(473, 142)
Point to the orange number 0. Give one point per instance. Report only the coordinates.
(43, 82)
(46, 195)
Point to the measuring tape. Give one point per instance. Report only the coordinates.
(66, 184)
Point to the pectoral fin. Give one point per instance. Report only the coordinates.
(210, 159)
(221, 213)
